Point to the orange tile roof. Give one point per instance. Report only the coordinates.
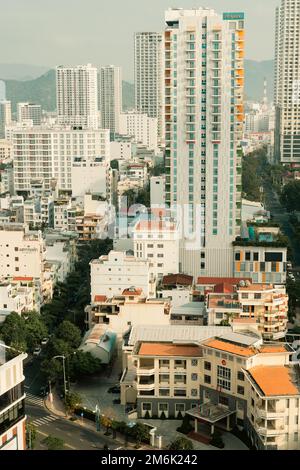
(272, 348)
(219, 280)
(132, 292)
(100, 298)
(274, 380)
(230, 347)
(164, 349)
(23, 278)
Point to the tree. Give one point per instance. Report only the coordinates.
(72, 400)
(69, 333)
(139, 432)
(106, 423)
(35, 330)
(54, 443)
(30, 435)
(186, 426)
(51, 369)
(290, 196)
(114, 164)
(181, 443)
(13, 331)
(83, 363)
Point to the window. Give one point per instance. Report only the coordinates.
(257, 295)
(207, 365)
(146, 406)
(240, 376)
(180, 393)
(240, 390)
(194, 392)
(223, 377)
(223, 400)
(194, 362)
(179, 407)
(163, 406)
(160, 255)
(255, 256)
(295, 436)
(248, 256)
(238, 257)
(194, 377)
(207, 379)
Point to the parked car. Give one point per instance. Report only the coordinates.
(44, 341)
(37, 351)
(114, 389)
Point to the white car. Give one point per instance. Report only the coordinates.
(44, 341)
(37, 351)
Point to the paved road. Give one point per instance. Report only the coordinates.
(280, 216)
(75, 436)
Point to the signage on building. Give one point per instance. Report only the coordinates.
(223, 362)
(233, 16)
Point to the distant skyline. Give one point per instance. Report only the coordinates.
(69, 32)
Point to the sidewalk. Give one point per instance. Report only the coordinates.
(57, 408)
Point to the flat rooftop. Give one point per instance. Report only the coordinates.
(164, 349)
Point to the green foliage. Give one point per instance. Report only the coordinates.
(254, 167)
(181, 443)
(147, 415)
(217, 440)
(69, 333)
(186, 426)
(158, 170)
(83, 363)
(35, 329)
(30, 435)
(114, 164)
(290, 196)
(54, 443)
(293, 291)
(72, 401)
(139, 432)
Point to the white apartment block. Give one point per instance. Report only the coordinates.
(5, 117)
(158, 241)
(111, 97)
(148, 76)
(22, 252)
(29, 112)
(141, 127)
(5, 151)
(157, 191)
(61, 251)
(121, 150)
(112, 274)
(89, 177)
(48, 153)
(287, 83)
(77, 96)
(204, 82)
(12, 405)
(14, 298)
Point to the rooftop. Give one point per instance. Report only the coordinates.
(275, 380)
(155, 226)
(163, 349)
(177, 279)
(213, 281)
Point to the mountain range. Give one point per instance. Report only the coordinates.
(41, 90)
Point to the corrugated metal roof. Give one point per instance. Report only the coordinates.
(175, 333)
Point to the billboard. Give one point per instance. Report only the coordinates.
(234, 16)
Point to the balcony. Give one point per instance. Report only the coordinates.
(271, 413)
(270, 431)
(149, 370)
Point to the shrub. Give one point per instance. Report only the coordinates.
(181, 444)
(147, 415)
(163, 416)
(217, 440)
(186, 426)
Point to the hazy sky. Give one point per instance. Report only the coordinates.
(52, 32)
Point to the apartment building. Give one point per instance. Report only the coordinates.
(29, 112)
(252, 385)
(111, 97)
(5, 151)
(264, 305)
(112, 274)
(5, 117)
(204, 82)
(141, 127)
(262, 262)
(77, 96)
(157, 241)
(61, 250)
(48, 153)
(148, 76)
(89, 177)
(12, 401)
(157, 191)
(121, 312)
(287, 102)
(14, 298)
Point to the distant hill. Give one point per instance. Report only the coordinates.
(41, 90)
(21, 71)
(255, 72)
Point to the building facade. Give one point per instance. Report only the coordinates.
(204, 82)
(111, 97)
(77, 96)
(148, 76)
(287, 83)
(29, 111)
(141, 127)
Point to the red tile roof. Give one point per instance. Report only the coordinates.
(177, 279)
(100, 298)
(135, 291)
(212, 281)
(224, 288)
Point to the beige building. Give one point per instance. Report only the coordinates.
(12, 403)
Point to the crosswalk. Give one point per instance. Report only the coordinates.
(34, 399)
(44, 420)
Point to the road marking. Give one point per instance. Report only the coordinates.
(43, 420)
(46, 435)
